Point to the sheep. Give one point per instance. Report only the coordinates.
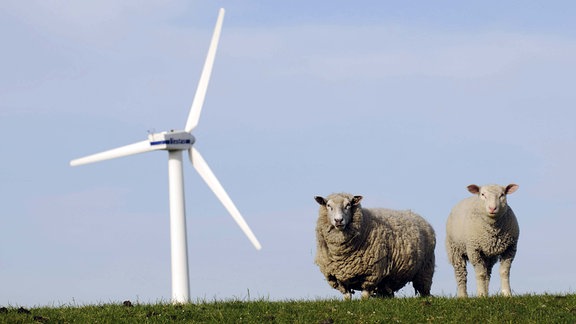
(482, 229)
(376, 251)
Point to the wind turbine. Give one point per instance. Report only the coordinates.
(175, 142)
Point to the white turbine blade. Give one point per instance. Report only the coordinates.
(136, 148)
(204, 170)
(196, 107)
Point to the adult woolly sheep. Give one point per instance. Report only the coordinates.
(376, 251)
(483, 229)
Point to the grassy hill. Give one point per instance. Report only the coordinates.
(518, 309)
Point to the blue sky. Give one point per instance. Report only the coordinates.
(405, 104)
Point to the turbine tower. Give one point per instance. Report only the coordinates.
(175, 142)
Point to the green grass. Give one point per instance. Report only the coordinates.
(518, 309)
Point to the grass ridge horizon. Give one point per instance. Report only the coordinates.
(528, 308)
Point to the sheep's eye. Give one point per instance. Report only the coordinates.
(348, 206)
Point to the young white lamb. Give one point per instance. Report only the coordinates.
(376, 251)
(483, 229)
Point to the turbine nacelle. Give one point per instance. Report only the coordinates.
(172, 140)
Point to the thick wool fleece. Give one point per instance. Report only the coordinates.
(379, 251)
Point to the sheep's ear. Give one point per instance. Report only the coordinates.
(511, 188)
(473, 189)
(320, 200)
(356, 200)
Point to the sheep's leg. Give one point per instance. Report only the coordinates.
(423, 280)
(458, 258)
(482, 280)
(366, 294)
(505, 278)
(348, 295)
(368, 287)
(461, 273)
(489, 265)
(383, 291)
(336, 284)
(482, 270)
(505, 264)
(346, 292)
(422, 284)
(480, 264)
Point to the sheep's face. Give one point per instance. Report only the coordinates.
(339, 208)
(493, 197)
